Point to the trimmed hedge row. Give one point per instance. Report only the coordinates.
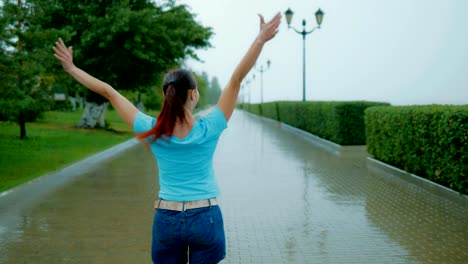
(253, 108)
(429, 141)
(340, 122)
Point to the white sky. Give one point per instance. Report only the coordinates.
(399, 51)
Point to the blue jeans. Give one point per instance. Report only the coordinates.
(196, 235)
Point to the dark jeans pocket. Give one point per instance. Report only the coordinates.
(164, 230)
(207, 229)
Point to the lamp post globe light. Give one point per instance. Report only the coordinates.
(319, 18)
(262, 70)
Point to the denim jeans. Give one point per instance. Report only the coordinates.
(196, 235)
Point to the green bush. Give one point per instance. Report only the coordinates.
(153, 100)
(254, 108)
(340, 122)
(63, 106)
(430, 141)
(271, 110)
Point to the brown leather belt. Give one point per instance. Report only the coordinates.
(184, 206)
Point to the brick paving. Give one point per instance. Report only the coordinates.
(288, 201)
(284, 200)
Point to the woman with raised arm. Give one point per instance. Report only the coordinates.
(188, 224)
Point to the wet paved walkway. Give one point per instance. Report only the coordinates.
(284, 200)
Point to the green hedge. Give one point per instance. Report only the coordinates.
(429, 141)
(340, 122)
(270, 110)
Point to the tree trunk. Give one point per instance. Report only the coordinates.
(93, 115)
(22, 125)
(140, 104)
(73, 102)
(79, 99)
(102, 117)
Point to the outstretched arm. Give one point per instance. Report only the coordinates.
(228, 98)
(124, 107)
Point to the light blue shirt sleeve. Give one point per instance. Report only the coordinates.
(215, 122)
(143, 123)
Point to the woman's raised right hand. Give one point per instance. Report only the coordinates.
(268, 30)
(64, 55)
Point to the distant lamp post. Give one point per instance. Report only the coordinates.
(245, 85)
(319, 17)
(250, 87)
(241, 99)
(262, 70)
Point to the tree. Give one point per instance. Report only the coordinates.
(215, 90)
(24, 57)
(210, 91)
(153, 99)
(127, 43)
(202, 86)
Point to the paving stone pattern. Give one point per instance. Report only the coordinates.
(284, 200)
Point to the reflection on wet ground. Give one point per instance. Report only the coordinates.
(284, 201)
(103, 216)
(288, 201)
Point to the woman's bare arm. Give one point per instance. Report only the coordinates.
(124, 107)
(228, 99)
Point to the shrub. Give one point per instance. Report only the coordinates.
(271, 110)
(254, 108)
(63, 106)
(340, 122)
(430, 141)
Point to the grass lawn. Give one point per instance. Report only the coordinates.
(53, 143)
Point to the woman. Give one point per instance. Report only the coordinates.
(188, 224)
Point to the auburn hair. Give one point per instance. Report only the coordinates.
(176, 84)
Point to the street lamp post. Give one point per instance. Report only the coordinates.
(245, 85)
(319, 17)
(250, 87)
(262, 70)
(241, 98)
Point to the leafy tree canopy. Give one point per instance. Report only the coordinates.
(127, 43)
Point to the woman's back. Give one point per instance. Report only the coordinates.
(186, 164)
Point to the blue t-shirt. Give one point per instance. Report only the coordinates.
(186, 165)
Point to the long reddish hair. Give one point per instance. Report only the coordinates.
(175, 87)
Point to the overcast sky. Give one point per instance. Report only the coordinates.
(399, 51)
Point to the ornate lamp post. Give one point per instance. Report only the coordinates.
(319, 17)
(262, 70)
